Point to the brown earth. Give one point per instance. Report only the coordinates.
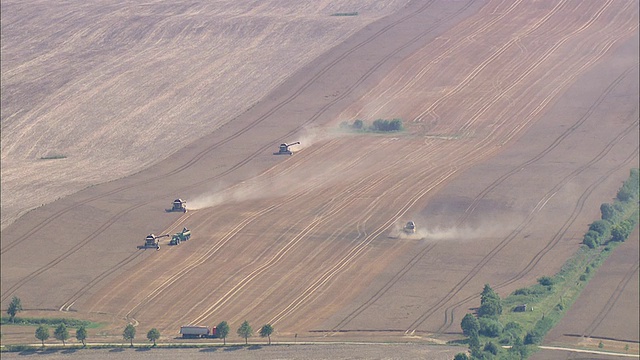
(521, 118)
(607, 309)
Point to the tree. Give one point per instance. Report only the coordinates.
(153, 335)
(61, 333)
(42, 333)
(490, 327)
(81, 334)
(266, 331)
(491, 305)
(14, 308)
(469, 325)
(129, 333)
(461, 356)
(600, 226)
(245, 331)
(488, 294)
(358, 124)
(608, 212)
(491, 347)
(222, 330)
(490, 308)
(546, 281)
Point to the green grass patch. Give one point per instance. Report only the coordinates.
(74, 323)
(53, 157)
(353, 13)
(549, 299)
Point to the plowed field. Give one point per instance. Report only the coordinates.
(520, 119)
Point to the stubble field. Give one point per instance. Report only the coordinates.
(521, 119)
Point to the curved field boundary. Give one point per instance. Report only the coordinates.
(547, 197)
(495, 184)
(216, 145)
(449, 319)
(260, 119)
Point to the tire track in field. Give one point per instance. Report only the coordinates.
(388, 285)
(611, 302)
(531, 67)
(449, 319)
(460, 285)
(329, 207)
(218, 144)
(254, 123)
(187, 266)
(354, 192)
(66, 306)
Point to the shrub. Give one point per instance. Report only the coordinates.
(469, 325)
(491, 347)
(591, 239)
(600, 226)
(386, 125)
(540, 329)
(608, 212)
(583, 277)
(546, 281)
(490, 327)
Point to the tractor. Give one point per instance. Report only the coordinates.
(182, 236)
(284, 149)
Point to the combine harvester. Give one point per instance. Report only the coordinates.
(194, 332)
(410, 228)
(408, 231)
(182, 236)
(153, 241)
(284, 149)
(178, 205)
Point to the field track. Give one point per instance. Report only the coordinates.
(520, 121)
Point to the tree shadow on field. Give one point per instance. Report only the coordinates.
(48, 351)
(232, 348)
(143, 349)
(255, 347)
(119, 349)
(69, 351)
(209, 349)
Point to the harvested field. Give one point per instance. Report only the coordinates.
(607, 309)
(521, 119)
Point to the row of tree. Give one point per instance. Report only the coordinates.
(62, 333)
(487, 324)
(615, 224)
(378, 125)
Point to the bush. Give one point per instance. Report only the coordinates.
(583, 277)
(490, 327)
(600, 226)
(491, 347)
(630, 188)
(608, 212)
(591, 239)
(546, 281)
(469, 325)
(386, 125)
(541, 328)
